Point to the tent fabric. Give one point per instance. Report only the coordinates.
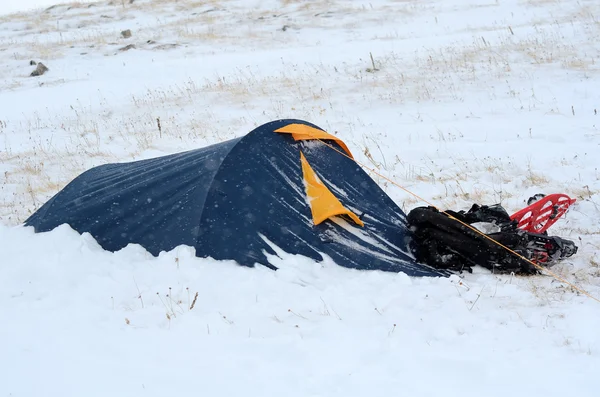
(234, 200)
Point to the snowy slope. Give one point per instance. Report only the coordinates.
(464, 101)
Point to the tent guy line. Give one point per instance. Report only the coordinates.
(537, 266)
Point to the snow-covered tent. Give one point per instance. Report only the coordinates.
(278, 185)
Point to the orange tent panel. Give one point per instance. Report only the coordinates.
(323, 203)
(302, 132)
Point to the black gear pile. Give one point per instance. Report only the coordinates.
(444, 243)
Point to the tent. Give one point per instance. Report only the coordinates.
(287, 184)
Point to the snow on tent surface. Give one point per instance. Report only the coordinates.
(233, 199)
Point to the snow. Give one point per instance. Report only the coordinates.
(83, 321)
(471, 101)
(19, 6)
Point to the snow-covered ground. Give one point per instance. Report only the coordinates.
(462, 101)
(22, 6)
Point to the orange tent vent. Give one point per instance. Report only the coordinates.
(301, 132)
(323, 204)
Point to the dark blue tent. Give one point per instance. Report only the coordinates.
(231, 200)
